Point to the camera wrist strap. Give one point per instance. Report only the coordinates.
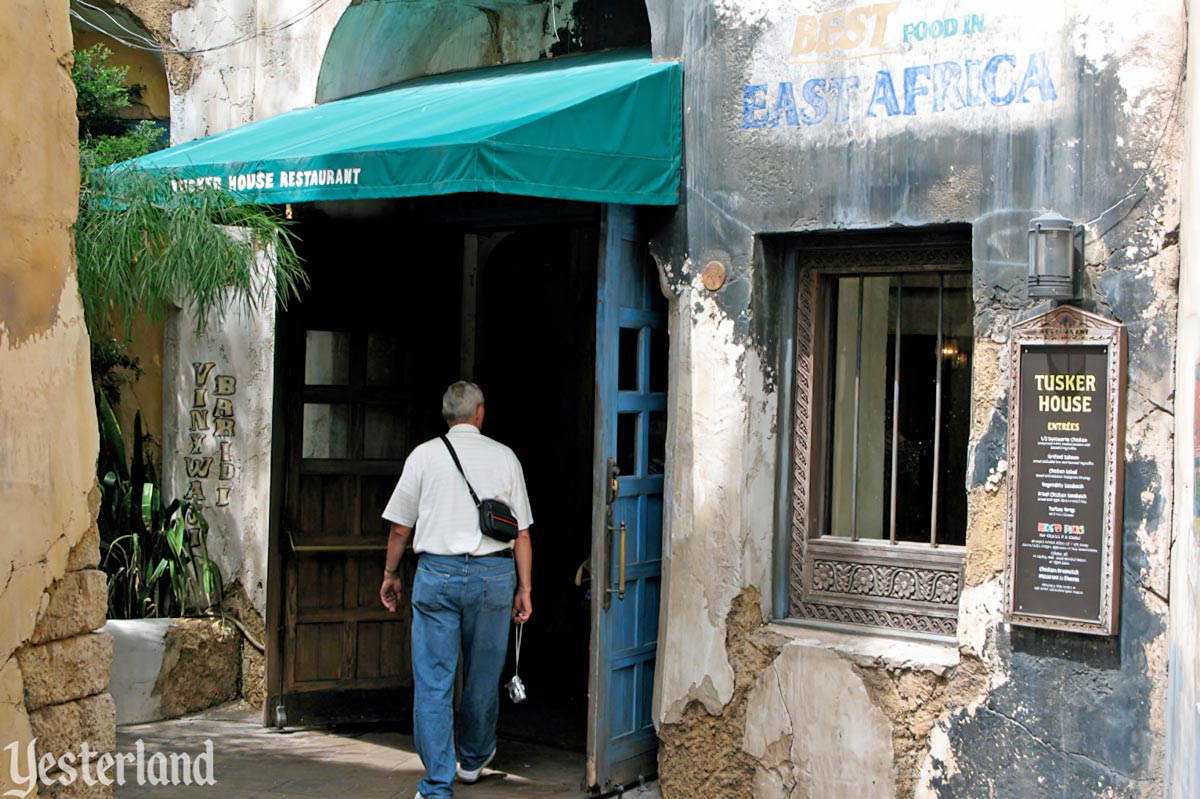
(518, 633)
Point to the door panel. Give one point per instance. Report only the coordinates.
(345, 658)
(363, 356)
(627, 547)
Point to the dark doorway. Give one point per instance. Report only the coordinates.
(359, 367)
(536, 356)
(402, 304)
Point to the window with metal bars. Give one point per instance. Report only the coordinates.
(899, 397)
(874, 510)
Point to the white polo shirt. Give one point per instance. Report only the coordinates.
(433, 497)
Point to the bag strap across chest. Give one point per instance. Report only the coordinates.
(454, 455)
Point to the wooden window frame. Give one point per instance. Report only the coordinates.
(831, 579)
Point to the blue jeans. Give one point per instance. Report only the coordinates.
(458, 601)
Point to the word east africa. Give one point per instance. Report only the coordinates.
(945, 86)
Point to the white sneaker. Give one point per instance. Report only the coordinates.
(472, 776)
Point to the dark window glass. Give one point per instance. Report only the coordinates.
(326, 431)
(627, 424)
(894, 451)
(658, 360)
(326, 358)
(383, 360)
(656, 455)
(384, 432)
(627, 368)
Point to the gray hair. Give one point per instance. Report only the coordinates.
(460, 401)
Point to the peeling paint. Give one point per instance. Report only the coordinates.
(1112, 134)
(1011, 706)
(703, 755)
(913, 699)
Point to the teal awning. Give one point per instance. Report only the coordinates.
(603, 127)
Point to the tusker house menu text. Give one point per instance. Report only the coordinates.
(1059, 543)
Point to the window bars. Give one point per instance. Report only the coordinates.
(908, 447)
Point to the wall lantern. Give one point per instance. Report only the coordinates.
(1053, 257)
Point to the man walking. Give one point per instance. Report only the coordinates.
(465, 590)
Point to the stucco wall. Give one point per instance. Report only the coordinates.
(217, 428)
(1083, 113)
(219, 386)
(1183, 706)
(1072, 106)
(50, 590)
(144, 395)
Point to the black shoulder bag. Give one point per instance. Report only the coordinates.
(496, 520)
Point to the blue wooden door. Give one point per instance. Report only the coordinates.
(631, 404)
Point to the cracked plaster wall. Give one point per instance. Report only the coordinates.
(1008, 712)
(48, 438)
(1183, 713)
(1110, 132)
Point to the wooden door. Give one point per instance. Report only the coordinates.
(350, 426)
(364, 356)
(631, 403)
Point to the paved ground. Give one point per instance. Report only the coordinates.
(251, 762)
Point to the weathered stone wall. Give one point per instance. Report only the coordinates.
(1081, 115)
(201, 662)
(153, 19)
(1183, 711)
(1079, 112)
(53, 669)
(253, 644)
(165, 668)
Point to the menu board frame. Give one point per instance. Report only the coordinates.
(1069, 326)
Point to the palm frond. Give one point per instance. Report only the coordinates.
(143, 245)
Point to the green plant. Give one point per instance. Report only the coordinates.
(100, 93)
(143, 247)
(155, 555)
(113, 368)
(139, 138)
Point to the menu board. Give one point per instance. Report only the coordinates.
(1065, 455)
(1060, 502)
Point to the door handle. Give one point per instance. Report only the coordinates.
(614, 487)
(620, 589)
